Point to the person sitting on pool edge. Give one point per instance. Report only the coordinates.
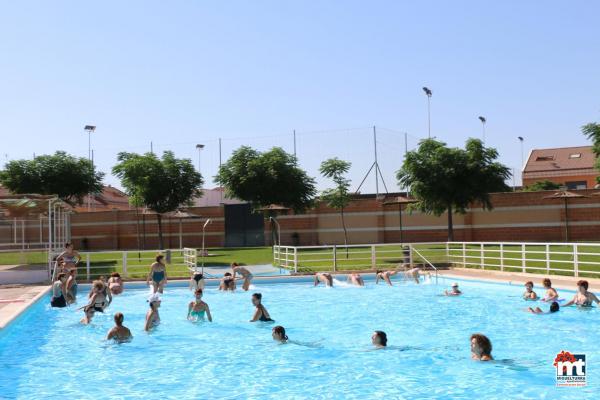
(261, 313)
(152, 316)
(119, 332)
(379, 339)
(197, 281)
(355, 279)
(158, 273)
(227, 283)
(481, 347)
(529, 294)
(324, 277)
(247, 275)
(454, 292)
(384, 275)
(554, 307)
(59, 291)
(278, 333)
(583, 298)
(198, 308)
(551, 293)
(97, 302)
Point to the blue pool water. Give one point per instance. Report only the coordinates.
(48, 354)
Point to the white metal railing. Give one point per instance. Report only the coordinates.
(190, 258)
(571, 259)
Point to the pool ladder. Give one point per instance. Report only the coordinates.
(429, 263)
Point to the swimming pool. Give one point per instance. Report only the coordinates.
(47, 354)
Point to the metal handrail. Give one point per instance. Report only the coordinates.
(427, 261)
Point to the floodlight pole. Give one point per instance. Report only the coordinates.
(294, 143)
(428, 93)
(483, 121)
(89, 129)
(376, 164)
(199, 147)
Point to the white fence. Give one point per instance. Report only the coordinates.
(571, 259)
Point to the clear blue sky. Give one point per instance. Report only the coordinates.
(179, 73)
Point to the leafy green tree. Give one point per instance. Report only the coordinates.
(271, 177)
(60, 174)
(446, 179)
(339, 196)
(161, 184)
(541, 185)
(592, 132)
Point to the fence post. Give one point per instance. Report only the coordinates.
(448, 252)
(481, 258)
(373, 257)
(410, 255)
(575, 260)
(547, 258)
(523, 257)
(87, 266)
(286, 257)
(295, 259)
(125, 264)
(334, 257)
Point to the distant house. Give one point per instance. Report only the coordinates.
(572, 167)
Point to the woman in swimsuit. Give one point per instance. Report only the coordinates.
(583, 298)
(198, 308)
(551, 293)
(261, 313)
(379, 339)
(247, 275)
(58, 291)
(105, 291)
(71, 287)
(158, 273)
(529, 294)
(355, 279)
(119, 332)
(481, 347)
(197, 281)
(279, 335)
(385, 276)
(324, 277)
(97, 302)
(69, 258)
(115, 283)
(152, 316)
(227, 283)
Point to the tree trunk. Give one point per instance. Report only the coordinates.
(450, 226)
(345, 231)
(160, 235)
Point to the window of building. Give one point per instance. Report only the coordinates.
(576, 185)
(575, 155)
(544, 158)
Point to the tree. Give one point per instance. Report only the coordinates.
(448, 180)
(60, 174)
(337, 197)
(271, 177)
(592, 132)
(163, 185)
(541, 185)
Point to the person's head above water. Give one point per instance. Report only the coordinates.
(582, 285)
(119, 317)
(154, 301)
(455, 286)
(554, 307)
(115, 275)
(278, 334)
(159, 258)
(529, 285)
(61, 277)
(481, 345)
(547, 283)
(198, 293)
(256, 298)
(98, 285)
(379, 338)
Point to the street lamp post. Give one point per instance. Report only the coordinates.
(483, 121)
(428, 93)
(89, 129)
(521, 139)
(199, 147)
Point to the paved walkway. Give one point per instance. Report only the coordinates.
(14, 299)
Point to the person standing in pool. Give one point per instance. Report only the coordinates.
(119, 332)
(197, 281)
(554, 307)
(324, 277)
(247, 275)
(105, 291)
(278, 334)
(198, 308)
(97, 302)
(454, 292)
(583, 298)
(59, 290)
(158, 274)
(69, 258)
(481, 347)
(385, 276)
(115, 283)
(227, 283)
(152, 316)
(551, 293)
(529, 294)
(261, 313)
(71, 287)
(355, 279)
(379, 339)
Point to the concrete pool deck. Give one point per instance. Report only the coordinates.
(14, 299)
